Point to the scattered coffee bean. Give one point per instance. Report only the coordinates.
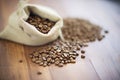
(30, 56)
(82, 51)
(82, 56)
(101, 37)
(78, 47)
(20, 61)
(39, 73)
(72, 61)
(41, 24)
(106, 31)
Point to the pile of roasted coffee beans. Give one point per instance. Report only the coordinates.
(77, 33)
(81, 30)
(41, 24)
(59, 53)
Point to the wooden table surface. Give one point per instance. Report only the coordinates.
(102, 60)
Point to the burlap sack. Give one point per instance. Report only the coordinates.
(18, 30)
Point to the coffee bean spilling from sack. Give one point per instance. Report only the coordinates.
(59, 53)
(77, 32)
(41, 24)
(81, 30)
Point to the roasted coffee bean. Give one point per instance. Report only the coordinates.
(45, 64)
(57, 62)
(33, 59)
(40, 26)
(49, 24)
(48, 59)
(45, 22)
(74, 57)
(20, 61)
(39, 73)
(82, 51)
(58, 50)
(76, 54)
(72, 60)
(82, 56)
(78, 47)
(41, 63)
(62, 61)
(36, 54)
(37, 61)
(100, 38)
(55, 47)
(60, 64)
(103, 36)
(31, 56)
(52, 61)
(106, 31)
(48, 64)
(85, 45)
(65, 55)
(68, 61)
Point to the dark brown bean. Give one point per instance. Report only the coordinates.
(20, 61)
(39, 73)
(82, 51)
(106, 31)
(82, 56)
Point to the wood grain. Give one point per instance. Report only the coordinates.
(102, 58)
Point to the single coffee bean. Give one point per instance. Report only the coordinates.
(41, 63)
(76, 54)
(31, 56)
(82, 56)
(100, 38)
(82, 51)
(38, 61)
(72, 61)
(106, 31)
(60, 64)
(57, 62)
(33, 59)
(20, 61)
(48, 64)
(45, 64)
(39, 73)
(78, 47)
(36, 54)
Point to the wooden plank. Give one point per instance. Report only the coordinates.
(34, 69)
(3, 61)
(103, 62)
(14, 70)
(81, 70)
(108, 57)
